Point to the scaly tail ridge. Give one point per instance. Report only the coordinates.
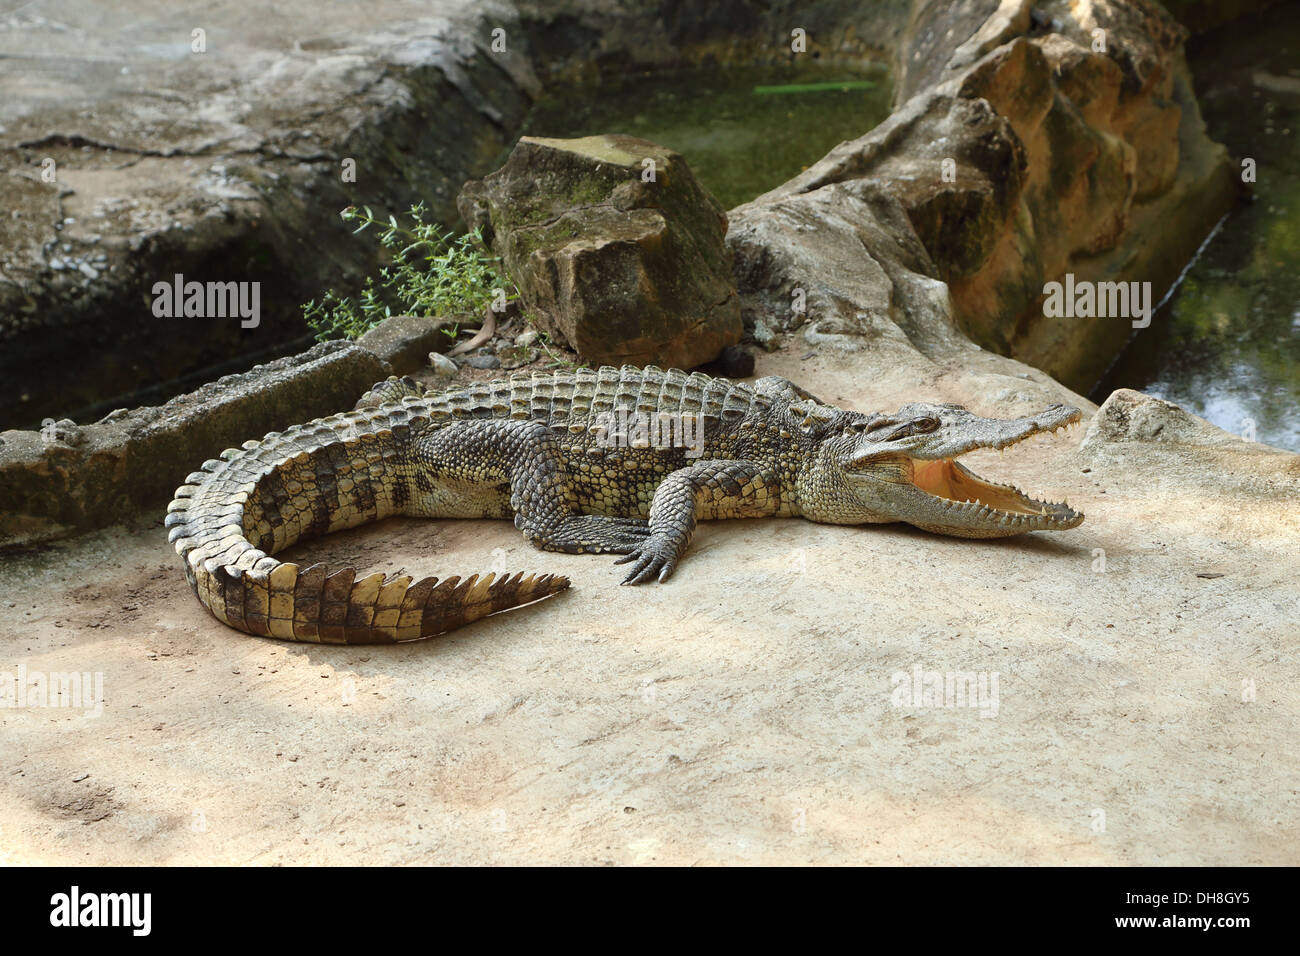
(333, 473)
(337, 607)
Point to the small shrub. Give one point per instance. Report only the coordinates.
(431, 272)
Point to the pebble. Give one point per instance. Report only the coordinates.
(442, 365)
(517, 356)
(526, 339)
(764, 335)
(88, 270)
(483, 361)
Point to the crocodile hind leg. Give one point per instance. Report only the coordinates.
(707, 489)
(478, 467)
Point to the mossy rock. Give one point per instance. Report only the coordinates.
(615, 248)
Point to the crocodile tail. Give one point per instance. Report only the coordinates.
(323, 476)
(279, 599)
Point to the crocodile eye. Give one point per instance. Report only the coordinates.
(925, 424)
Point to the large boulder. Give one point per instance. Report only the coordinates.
(614, 246)
(1063, 143)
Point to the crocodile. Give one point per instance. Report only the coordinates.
(614, 460)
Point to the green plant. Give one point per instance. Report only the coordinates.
(557, 361)
(431, 272)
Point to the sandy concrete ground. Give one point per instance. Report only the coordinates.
(741, 713)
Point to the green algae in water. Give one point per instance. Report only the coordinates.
(844, 86)
(1227, 344)
(739, 143)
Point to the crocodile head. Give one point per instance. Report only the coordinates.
(904, 467)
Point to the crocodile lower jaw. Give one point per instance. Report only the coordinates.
(965, 495)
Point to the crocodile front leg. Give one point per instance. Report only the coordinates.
(708, 489)
(490, 458)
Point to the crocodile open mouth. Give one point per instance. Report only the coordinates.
(911, 473)
(965, 494)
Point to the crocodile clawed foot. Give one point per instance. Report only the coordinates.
(657, 557)
(622, 540)
(594, 534)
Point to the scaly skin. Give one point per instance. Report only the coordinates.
(545, 450)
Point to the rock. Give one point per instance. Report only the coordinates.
(516, 356)
(75, 478)
(527, 338)
(622, 269)
(481, 361)
(1166, 452)
(1131, 416)
(1018, 156)
(244, 166)
(763, 333)
(404, 341)
(64, 432)
(442, 366)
